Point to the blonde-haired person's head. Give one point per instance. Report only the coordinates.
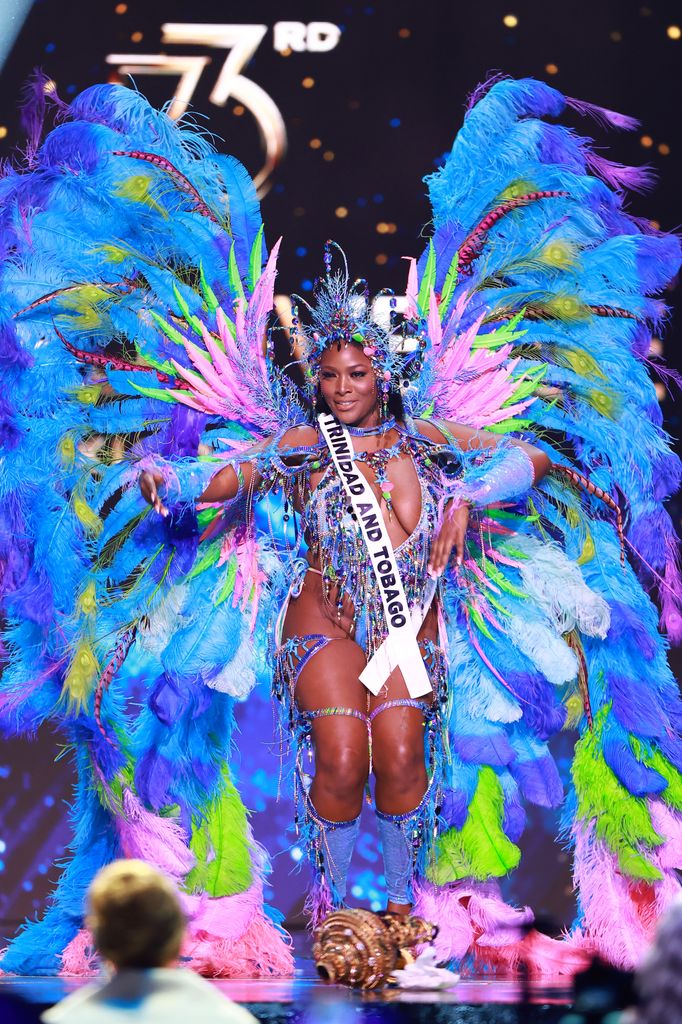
(134, 915)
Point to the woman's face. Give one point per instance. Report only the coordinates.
(348, 384)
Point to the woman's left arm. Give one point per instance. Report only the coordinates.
(452, 533)
(470, 440)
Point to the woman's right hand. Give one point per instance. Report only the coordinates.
(150, 480)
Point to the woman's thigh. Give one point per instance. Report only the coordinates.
(330, 682)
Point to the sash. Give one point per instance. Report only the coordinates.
(400, 649)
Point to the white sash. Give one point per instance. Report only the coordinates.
(400, 649)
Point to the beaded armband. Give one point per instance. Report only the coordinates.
(507, 474)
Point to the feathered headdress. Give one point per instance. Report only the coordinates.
(342, 313)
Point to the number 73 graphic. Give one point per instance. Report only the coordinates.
(241, 42)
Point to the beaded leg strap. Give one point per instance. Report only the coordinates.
(400, 702)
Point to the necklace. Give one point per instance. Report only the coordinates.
(380, 428)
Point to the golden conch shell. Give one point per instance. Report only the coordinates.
(359, 948)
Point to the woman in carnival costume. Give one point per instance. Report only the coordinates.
(508, 414)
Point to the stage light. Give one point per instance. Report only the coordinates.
(238, 110)
(646, 141)
(299, 211)
(382, 228)
(3, 132)
(551, 69)
(616, 37)
(120, 8)
(381, 259)
(341, 211)
(655, 225)
(308, 82)
(394, 122)
(315, 143)
(136, 37)
(664, 149)
(286, 52)
(674, 31)
(328, 155)
(404, 33)
(510, 20)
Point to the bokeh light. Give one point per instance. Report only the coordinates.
(510, 20)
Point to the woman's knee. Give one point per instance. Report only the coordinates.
(400, 765)
(342, 768)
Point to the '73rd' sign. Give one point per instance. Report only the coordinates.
(240, 42)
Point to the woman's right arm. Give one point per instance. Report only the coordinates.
(228, 482)
(223, 485)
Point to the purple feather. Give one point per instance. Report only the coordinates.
(38, 92)
(168, 701)
(620, 176)
(154, 779)
(641, 341)
(626, 625)
(602, 115)
(454, 808)
(635, 706)
(544, 714)
(10, 434)
(514, 821)
(635, 776)
(671, 746)
(490, 748)
(539, 781)
(11, 351)
(483, 88)
(667, 471)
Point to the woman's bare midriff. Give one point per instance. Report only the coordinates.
(314, 612)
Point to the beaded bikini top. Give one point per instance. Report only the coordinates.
(335, 538)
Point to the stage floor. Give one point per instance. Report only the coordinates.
(304, 998)
(309, 1001)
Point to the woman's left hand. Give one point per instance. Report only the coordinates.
(452, 534)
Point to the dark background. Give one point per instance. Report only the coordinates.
(385, 104)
